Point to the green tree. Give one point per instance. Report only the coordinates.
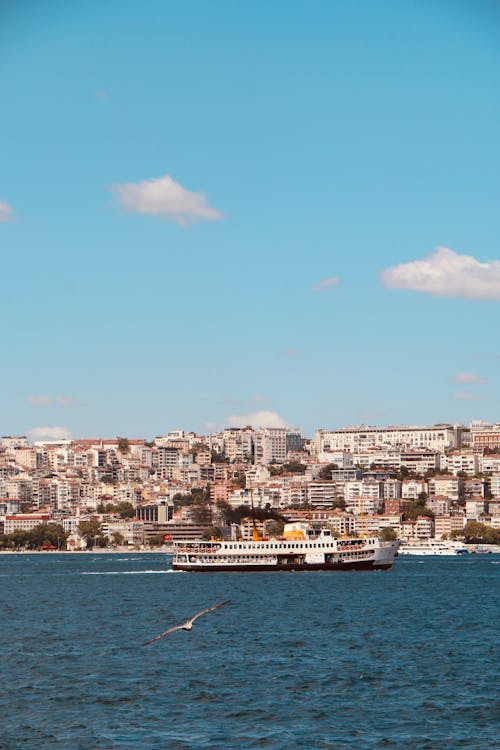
(117, 538)
(326, 471)
(295, 467)
(156, 540)
(219, 458)
(479, 533)
(123, 445)
(92, 532)
(275, 528)
(125, 509)
(387, 534)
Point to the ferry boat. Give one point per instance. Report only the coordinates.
(300, 548)
(433, 547)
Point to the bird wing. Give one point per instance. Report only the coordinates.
(165, 632)
(209, 609)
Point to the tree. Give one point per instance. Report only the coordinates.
(478, 533)
(295, 467)
(91, 531)
(234, 515)
(117, 538)
(156, 540)
(219, 458)
(387, 534)
(326, 471)
(125, 509)
(123, 445)
(275, 528)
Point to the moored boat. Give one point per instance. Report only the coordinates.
(301, 548)
(433, 547)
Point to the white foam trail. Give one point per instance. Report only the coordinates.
(124, 572)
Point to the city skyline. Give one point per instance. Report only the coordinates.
(273, 215)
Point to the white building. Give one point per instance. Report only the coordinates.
(462, 461)
(24, 521)
(438, 437)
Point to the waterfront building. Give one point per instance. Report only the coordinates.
(160, 512)
(444, 525)
(24, 521)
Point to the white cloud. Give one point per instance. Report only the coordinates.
(445, 273)
(6, 213)
(325, 284)
(101, 94)
(50, 433)
(65, 400)
(164, 197)
(291, 352)
(39, 400)
(211, 426)
(258, 399)
(468, 378)
(256, 419)
(467, 396)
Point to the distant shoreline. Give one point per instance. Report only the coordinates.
(122, 551)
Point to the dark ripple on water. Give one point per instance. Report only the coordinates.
(404, 659)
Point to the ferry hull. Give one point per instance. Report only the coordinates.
(286, 568)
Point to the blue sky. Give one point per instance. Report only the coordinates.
(222, 213)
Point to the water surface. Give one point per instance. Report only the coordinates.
(399, 659)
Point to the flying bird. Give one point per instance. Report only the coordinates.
(188, 625)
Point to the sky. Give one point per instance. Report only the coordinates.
(270, 213)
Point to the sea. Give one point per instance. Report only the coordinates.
(406, 658)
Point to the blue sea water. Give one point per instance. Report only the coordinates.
(400, 659)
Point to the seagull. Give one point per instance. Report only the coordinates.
(188, 625)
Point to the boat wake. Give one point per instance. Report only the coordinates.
(124, 572)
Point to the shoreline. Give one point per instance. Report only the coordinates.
(122, 551)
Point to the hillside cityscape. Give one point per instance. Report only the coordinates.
(409, 483)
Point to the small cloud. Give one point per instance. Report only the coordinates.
(291, 352)
(101, 94)
(38, 400)
(325, 284)
(65, 400)
(6, 213)
(211, 426)
(485, 356)
(164, 197)
(468, 378)
(256, 419)
(50, 433)
(445, 273)
(230, 401)
(467, 396)
(258, 399)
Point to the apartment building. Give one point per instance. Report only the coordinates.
(438, 437)
(448, 486)
(444, 525)
(411, 489)
(273, 443)
(461, 461)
